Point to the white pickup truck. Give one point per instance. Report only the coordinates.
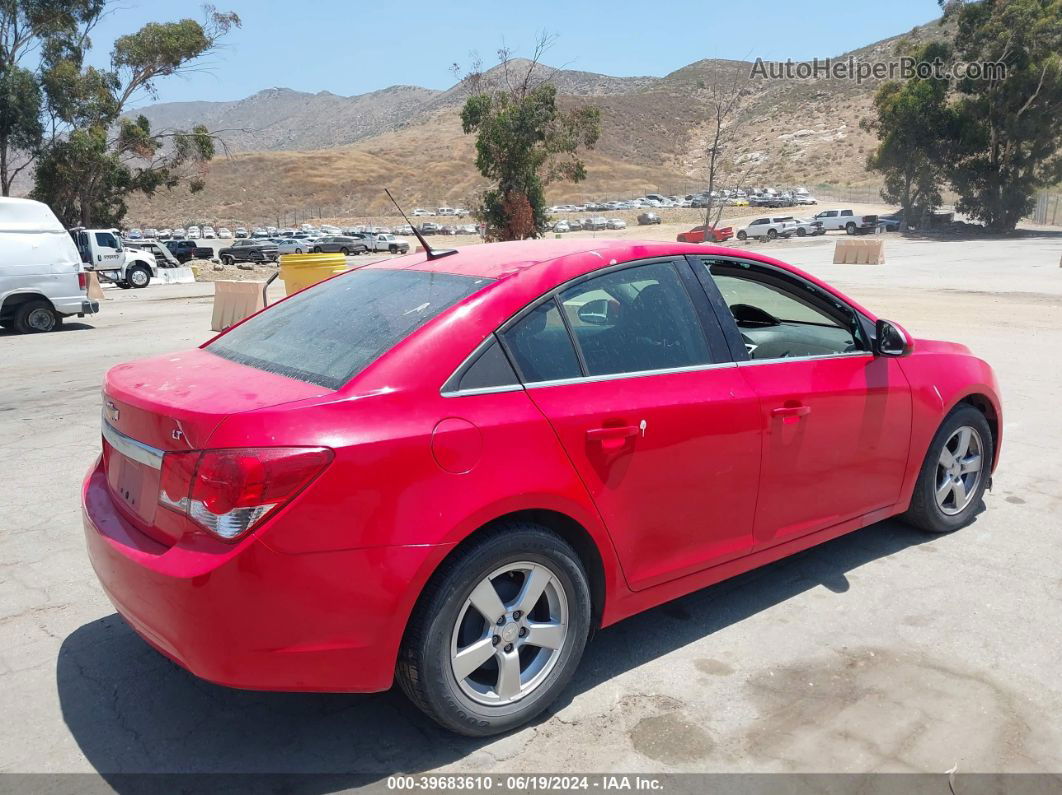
(768, 228)
(102, 251)
(382, 242)
(42, 279)
(847, 220)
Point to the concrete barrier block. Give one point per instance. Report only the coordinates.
(94, 290)
(859, 252)
(180, 275)
(234, 301)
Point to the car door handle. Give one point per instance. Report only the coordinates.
(791, 411)
(614, 432)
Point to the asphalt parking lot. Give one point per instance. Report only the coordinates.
(885, 650)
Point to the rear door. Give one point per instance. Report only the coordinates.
(836, 418)
(658, 422)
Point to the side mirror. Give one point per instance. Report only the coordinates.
(890, 339)
(599, 312)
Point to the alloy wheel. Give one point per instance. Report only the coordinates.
(959, 470)
(509, 634)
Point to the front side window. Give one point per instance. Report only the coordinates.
(780, 319)
(634, 320)
(329, 333)
(106, 240)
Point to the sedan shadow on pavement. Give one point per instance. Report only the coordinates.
(133, 711)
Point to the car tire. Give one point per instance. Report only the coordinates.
(801, 231)
(35, 317)
(138, 277)
(772, 234)
(497, 564)
(316, 249)
(742, 235)
(965, 435)
(227, 261)
(393, 249)
(345, 252)
(850, 228)
(298, 251)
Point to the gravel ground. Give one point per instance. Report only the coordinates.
(885, 650)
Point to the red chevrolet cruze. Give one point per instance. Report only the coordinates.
(449, 470)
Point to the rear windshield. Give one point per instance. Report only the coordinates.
(327, 334)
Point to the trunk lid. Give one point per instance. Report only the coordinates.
(173, 403)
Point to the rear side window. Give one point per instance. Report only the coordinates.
(329, 333)
(635, 320)
(541, 346)
(490, 370)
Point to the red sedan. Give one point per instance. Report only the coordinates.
(715, 234)
(449, 470)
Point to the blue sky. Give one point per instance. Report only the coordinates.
(352, 47)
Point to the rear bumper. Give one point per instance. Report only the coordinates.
(76, 305)
(246, 616)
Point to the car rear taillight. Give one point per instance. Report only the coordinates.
(228, 492)
(82, 280)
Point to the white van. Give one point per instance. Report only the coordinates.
(42, 279)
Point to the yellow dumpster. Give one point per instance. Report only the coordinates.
(301, 270)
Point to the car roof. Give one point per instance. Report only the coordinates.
(581, 255)
(533, 267)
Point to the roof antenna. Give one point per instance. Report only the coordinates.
(432, 254)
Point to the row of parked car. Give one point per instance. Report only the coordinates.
(594, 223)
(270, 249)
(759, 197)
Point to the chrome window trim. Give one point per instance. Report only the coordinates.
(586, 379)
(483, 390)
(816, 357)
(458, 373)
(131, 448)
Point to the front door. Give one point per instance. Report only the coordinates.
(663, 430)
(108, 252)
(836, 418)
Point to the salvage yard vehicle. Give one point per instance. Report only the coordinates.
(645, 219)
(164, 258)
(892, 222)
(801, 228)
(102, 251)
(324, 496)
(848, 221)
(715, 235)
(249, 251)
(291, 245)
(340, 244)
(767, 228)
(42, 279)
(187, 250)
(385, 242)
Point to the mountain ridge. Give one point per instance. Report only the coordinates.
(302, 150)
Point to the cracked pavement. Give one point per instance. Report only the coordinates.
(885, 650)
